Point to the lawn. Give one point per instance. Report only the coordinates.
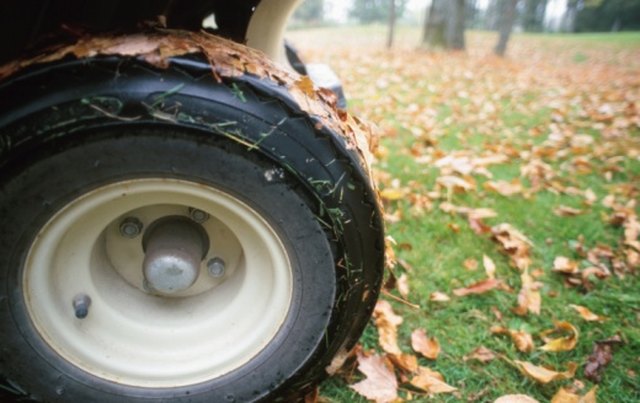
(510, 189)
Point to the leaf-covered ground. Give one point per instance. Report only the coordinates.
(511, 189)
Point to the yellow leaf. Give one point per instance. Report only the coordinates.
(529, 299)
(544, 375)
(566, 396)
(587, 314)
(392, 194)
(566, 343)
(431, 381)
(427, 346)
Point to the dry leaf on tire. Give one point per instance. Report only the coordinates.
(380, 385)
(427, 346)
(431, 381)
(545, 375)
(565, 343)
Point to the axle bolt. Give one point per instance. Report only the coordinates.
(81, 303)
(130, 227)
(216, 267)
(198, 216)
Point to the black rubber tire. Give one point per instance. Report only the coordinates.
(72, 126)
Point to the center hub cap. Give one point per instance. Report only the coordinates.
(174, 248)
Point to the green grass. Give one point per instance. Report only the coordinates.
(436, 251)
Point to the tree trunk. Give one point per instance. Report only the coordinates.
(434, 24)
(392, 23)
(507, 18)
(455, 25)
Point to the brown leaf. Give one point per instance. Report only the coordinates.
(405, 362)
(515, 399)
(587, 314)
(481, 354)
(478, 288)
(312, 396)
(504, 188)
(544, 375)
(427, 346)
(431, 381)
(600, 357)
(470, 264)
(380, 384)
(522, 339)
(565, 211)
(565, 265)
(529, 299)
(565, 343)
(514, 244)
(387, 323)
(403, 286)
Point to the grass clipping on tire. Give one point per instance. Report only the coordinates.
(227, 59)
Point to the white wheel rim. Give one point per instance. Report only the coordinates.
(132, 337)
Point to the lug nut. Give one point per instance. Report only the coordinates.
(81, 303)
(198, 216)
(216, 267)
(130, 227)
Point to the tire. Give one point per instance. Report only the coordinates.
(86, 145)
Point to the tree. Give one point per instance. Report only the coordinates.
(444, 24)
(505, 25)
(392, 23)
(533, 16)
(368, 11)
(607, 15)
(310, 11)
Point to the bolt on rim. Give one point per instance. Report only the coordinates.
(87, 295)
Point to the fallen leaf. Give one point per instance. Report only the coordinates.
(515, 399)
(489, 266)
(481, 354)
(405, 362)
(403, 286)
(504, 188)
(564, 395)
(431, 381)
(522, 339)
(380, 384)
(565, 265)
(470, 264)
(392, 194)
(544, 375)
(454, 183)
(587, 314)
(529, 299)
(427, 346)
(312, 396)
(565, 211)
(439, 297)
(565, 343)
(514, 244)
(600, 357)
(387, 323)
(478, 288)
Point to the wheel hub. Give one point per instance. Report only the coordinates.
(174, 248)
